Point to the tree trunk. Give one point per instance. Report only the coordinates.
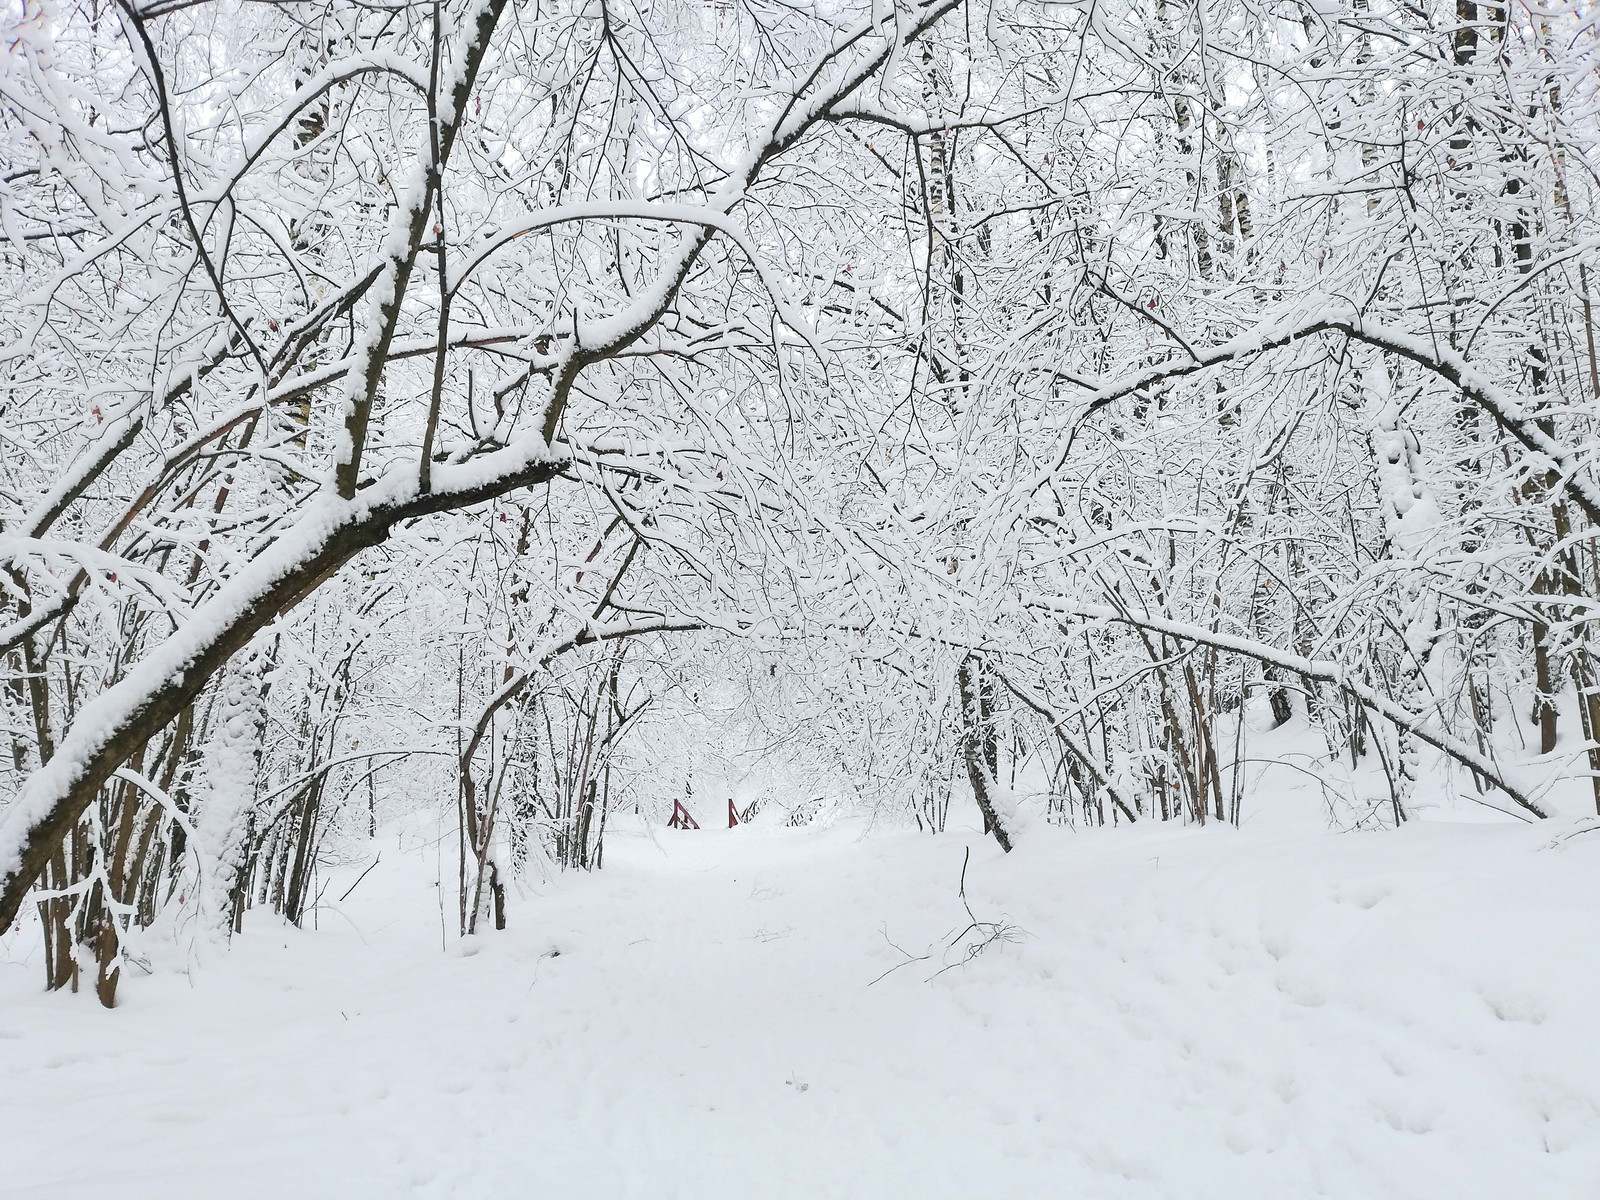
(979, 748)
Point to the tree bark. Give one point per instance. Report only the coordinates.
(978, 748)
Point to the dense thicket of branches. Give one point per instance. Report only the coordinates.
(450, 405)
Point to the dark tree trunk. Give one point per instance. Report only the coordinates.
(979, 748)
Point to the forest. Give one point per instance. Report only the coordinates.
(1054, 432)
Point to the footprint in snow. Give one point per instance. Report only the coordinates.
(1365, 894)
(1301, 991)
(1518, 1010)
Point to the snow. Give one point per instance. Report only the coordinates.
(1165, 1012)
(108, 713)
(1331, 671)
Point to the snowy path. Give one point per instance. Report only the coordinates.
(1191, 1014)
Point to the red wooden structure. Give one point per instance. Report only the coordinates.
(733, 814)
(681, 818)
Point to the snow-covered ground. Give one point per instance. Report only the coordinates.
(1162, 1012)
